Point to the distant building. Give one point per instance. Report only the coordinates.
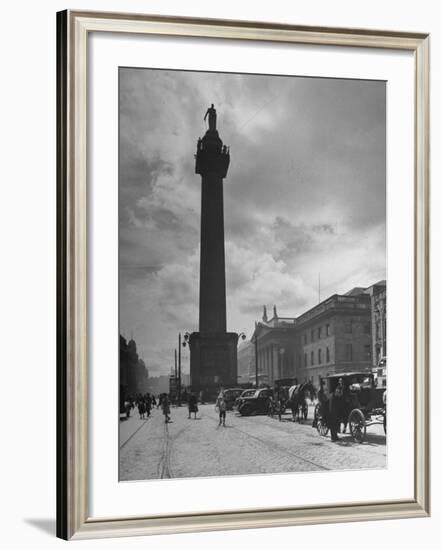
(133, 372)
(159, 384)
(246, 362)
(185, 380)
(343, 333)
(378, 295)
(275, 343)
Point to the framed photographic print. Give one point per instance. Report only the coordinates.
(235, 202)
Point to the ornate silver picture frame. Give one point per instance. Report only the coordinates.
(74, 520)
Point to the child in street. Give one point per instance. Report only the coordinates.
(221, 406)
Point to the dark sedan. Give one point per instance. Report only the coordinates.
(230, 397)
(256, 403)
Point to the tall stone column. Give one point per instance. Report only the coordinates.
(213, 352)
(212, 161)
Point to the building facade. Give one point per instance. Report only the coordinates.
(246, 362)
(134, 376)
(378, 295)
(275, 345)
(335, 336)
(342, 333)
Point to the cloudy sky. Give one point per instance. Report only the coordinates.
(305, 194)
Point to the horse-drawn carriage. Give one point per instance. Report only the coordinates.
(362, 403)
(297, 400)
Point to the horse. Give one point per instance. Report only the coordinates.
(297, 400)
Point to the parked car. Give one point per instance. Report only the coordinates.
(257, 403)
(245, 393)
(231, 395)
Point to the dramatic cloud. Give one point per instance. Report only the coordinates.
(305, 194)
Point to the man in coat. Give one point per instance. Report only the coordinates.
(336, 403)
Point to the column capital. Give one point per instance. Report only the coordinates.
(212, 157)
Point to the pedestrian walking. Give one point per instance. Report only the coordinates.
(324, 406)
(270, 406)
(345, 405)
(280, 405)
(165, 406)
(335, 409)
(221, 407)
(147, 404)
(141, 408)
(192, 405)
(127, 407)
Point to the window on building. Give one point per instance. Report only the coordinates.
(327, 355)
(305, 338)
(348, 352)
(312, 335)
(312, 359)
(319, 356)
(377, 330)
(367, 351)
(319, 333)
(305, 359)
(327, 330)
(348, 326)
(367, 328)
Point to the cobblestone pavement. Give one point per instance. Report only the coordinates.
(151, 449)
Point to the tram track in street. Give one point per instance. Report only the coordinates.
(133, 434)
(164, 471)
(164, 467)
(272, 446)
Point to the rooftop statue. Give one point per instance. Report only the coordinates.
(211, 112)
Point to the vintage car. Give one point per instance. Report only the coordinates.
(364, 403)
(245, 393)
(258, 402)
(231, 395)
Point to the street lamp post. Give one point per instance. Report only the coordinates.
(256, 361)
(176, 376)
(243, 336)
(179, 370)
(186, 339)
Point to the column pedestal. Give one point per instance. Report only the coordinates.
(213, 362)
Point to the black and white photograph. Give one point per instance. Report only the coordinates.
(252, 274)
(205, 205)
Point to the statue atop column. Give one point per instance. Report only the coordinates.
(211, 113)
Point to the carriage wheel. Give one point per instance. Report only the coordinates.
(322, 427)
(358, 429)
(385, 423)
(315, 416)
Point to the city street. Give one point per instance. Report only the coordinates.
(151, 449)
